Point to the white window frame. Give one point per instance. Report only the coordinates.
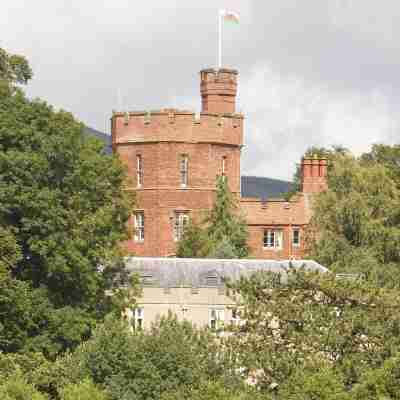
(184, 170)
(181, 221)
(216, 318)
(274, 239)
(139, 170)
(298, 242)
(139, 226)
(137, 318)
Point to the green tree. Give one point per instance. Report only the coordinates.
(13, 69)
(222, 234)
(16, 388)
(144, 364)
(63, 199)
(84, 390)
(356, 223)
(310, 327)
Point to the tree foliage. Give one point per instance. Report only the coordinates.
(222, 234)
(312, 328)
(357, 220)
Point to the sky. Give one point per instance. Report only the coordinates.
(311, 72)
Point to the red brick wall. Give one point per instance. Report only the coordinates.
(162, 136)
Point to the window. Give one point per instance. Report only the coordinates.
(273, 239)
(137, 319)
(184, 164)
(223, 173)
(235, 320)
(139, 226)
(296, 237)
(217, 317)
(139, 170)
(181, 221)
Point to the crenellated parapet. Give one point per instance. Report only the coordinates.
(172, 125)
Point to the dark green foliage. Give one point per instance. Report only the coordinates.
(62, 198)
(195, 243)
(223, 233)
(30, 323)
(143, 365)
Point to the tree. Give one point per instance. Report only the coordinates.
(222, 234)
(85, 390)
(312, 152)
(356, 223)
(14, 68)
(144, 364)
(16, 388)
(62, 199)
(310, 327)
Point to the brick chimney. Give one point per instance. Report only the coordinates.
(218, 90)
(314, 175)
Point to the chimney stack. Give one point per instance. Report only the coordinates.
(314, 175)
(218, 90)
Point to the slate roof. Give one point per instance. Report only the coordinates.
(204, 272)
(252, 186)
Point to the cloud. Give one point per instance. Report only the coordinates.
(311, 72)
(286, 114)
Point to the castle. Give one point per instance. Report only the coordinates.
(173, 158)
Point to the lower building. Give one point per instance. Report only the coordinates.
(173, 158)
(194, 289)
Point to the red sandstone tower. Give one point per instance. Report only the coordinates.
(173, 159)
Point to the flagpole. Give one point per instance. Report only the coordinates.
(220, 39)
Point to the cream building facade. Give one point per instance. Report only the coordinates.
(195, 290)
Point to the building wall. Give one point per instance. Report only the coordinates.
(192, 304)
(161, 137)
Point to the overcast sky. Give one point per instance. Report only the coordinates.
(312, 72)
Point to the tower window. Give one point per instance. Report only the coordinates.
(273, 238)
(296, 237)
(184, 167)
(139, 170)
(139, 226)
(181, 221)
(223, 172)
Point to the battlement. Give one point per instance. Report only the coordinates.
(175, 125)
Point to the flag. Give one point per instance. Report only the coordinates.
(230, 16)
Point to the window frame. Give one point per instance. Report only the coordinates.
(274, 237)
(139, 171)
(139, 226)
(216, 318)
(298, 244)
(181, 220)
(184, 170)
(137, 318)
(223, 167)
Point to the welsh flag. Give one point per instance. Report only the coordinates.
(229, 16)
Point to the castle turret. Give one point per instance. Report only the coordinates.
(218, 90)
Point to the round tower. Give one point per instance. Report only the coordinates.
(173, 159)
